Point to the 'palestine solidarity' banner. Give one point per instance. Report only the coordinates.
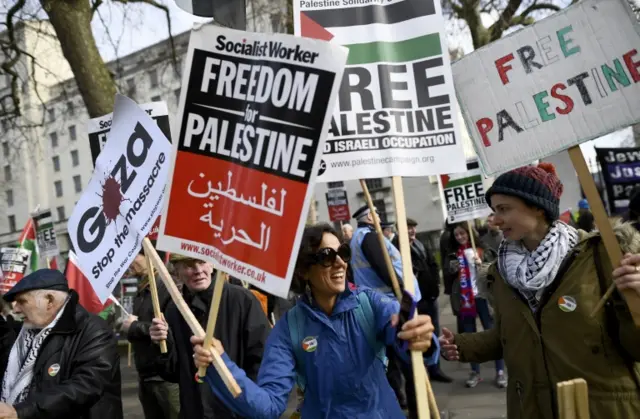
(396, 113)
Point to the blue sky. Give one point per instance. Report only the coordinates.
(122, 29)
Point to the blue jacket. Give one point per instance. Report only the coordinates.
(344, 378)
(365, 275)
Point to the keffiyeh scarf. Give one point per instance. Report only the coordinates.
(532, 272)
(22, 359)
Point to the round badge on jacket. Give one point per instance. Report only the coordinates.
(309, 344)
(54, 369)
(567, 303)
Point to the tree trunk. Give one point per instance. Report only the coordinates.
(71, 20)
(636, 134)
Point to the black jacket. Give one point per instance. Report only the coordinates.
(88, 384)
(146, 353)
(425, 268)
(242, 328)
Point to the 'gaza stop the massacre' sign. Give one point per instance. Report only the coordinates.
(567, 79)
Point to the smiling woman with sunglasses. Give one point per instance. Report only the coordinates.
(332, 342)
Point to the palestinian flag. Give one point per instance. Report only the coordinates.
(27, 241)
(81, 284)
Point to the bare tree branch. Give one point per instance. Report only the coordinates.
(540, 6)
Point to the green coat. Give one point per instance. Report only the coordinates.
(552, 345)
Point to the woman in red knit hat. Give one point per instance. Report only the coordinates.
(544, 285)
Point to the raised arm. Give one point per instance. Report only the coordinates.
(268, 398)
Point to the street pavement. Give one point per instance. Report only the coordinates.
(455, 401)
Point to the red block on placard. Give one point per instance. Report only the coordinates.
(339, 213)
(228, 224)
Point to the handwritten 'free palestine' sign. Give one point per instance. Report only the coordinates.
(567, 79)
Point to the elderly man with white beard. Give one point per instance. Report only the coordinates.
(61, 362)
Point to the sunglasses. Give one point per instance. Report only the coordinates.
(327, 256)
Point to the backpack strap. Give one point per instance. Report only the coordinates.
(611, 317)
(367, 320)
(296, 327)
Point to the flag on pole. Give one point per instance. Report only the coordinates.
(27, 241)
(81, 284)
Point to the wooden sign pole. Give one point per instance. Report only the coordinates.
(606, 231)
(573, 399)
(420, 377)
(387, 260)
(213, 314)
(155, 301)
(191, 320)
(396, 286)
(472, 237)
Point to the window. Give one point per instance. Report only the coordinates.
(70, 108)
(52, 114)
(7, 173)
(374, 183)
(381, 207)
(153, 77)
(131, 86)
(75, 160)
(77, 183)
(58, 186)
(338, 184)
(156, 99)
(54, 139)
(61, 214)
(72, 133)
(5, 149)
(56, 163)
(12, 223)
(10, 197)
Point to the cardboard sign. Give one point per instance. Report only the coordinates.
(253, 120)
(621, 173)
(13, 263)
(123, 199)
(338, 205)
(566, 79)
(45, 234)
(99, 128)
(464, 195)
(396, 113)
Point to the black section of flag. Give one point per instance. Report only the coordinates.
(367, 15)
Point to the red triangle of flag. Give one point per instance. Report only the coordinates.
(310, 29)
(80, 283)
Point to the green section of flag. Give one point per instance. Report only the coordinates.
(395, 52)
(31, 245)
(463, 181)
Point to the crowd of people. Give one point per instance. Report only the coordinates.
(531, 279)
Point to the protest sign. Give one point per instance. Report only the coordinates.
(45, 234)
(464, 195)
(396, 112)
(621, 173)
(98, 128)
(338, 205)
(13, 263)
(254, 115)
(566, 79)
(123, 199)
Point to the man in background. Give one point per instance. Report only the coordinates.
(387, 230)
(492, 239)
(160, 399)
(347, 232)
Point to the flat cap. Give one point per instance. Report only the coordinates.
(42, 279)
(175, 257)
(386, 225)
(411, 222)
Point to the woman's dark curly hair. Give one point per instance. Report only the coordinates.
(309, 245)
(454, 245)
